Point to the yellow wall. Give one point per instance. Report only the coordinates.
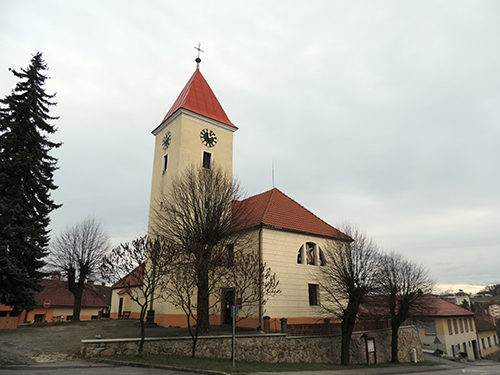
(186, 149)
(447, 338)
(279, 251)
(485, 346)
(58, 313)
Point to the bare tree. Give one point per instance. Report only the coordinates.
(198, 215)
(253, 282)
(77, 253)
(140, 269)
(348, 276)
(402, 284)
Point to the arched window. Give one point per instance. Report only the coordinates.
(299, 255)
(311, 253)
(322, 261)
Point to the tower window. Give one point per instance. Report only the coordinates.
(165, 163)
(207, 160)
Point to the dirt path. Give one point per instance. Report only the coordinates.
(57, 342)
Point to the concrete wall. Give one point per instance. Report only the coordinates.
(271, 348)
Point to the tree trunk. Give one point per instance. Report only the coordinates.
(203, 314)
(77, 306)
(394, 341)
(347, 329)
(143, 331)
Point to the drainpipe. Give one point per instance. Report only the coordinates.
(260, 278)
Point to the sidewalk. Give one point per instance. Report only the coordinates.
(446, 364)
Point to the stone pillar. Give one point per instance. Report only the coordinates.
(267, 325)
(283, 325)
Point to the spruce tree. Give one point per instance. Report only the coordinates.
(26, 181)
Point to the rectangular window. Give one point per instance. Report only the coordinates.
(313, 294)
(461, 325)
(455, 324)
(230, 254)
(482, 341)
(207, 160)
(470, 325)
(165, 163)
(466, 326)
(430, 327)
(450, 331)
(39, 318)
(489, 342)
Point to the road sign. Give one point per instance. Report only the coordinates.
(46, 303)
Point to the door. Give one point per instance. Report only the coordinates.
(120, 307)
(474, 349)
(227, 301)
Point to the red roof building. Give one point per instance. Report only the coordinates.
(96, 300)
(290, 239)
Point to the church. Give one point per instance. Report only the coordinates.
(289, 238)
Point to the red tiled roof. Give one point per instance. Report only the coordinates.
(59, 295)
(198, 97)
(134, 278)
(275, 209)
(435, 306)
(483, 325)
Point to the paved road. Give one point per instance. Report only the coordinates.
(82, 368)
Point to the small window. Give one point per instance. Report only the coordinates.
(461, 325)
(207, 160)
(455, 325)
(165, 163)
(450, 331)
(230, 254)
(430, 327)
(39, 318)
(313, 295)
(466, 326)
(489, 342)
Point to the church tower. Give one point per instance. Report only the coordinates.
(195, 132)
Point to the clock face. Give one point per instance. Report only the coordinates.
(208, 138)
(166, 140)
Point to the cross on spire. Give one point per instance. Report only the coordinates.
(198, 60)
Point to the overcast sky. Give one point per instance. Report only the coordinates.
(380, 113)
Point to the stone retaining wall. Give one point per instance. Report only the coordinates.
(267, 348)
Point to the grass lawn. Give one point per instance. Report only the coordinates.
(225, 365)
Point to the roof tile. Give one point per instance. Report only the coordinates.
(59, 295)
(275, 209)
(198, 97)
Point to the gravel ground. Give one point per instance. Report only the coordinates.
(61, 341)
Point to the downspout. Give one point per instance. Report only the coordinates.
(260, 277)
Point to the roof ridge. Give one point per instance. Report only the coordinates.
(268, 205)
